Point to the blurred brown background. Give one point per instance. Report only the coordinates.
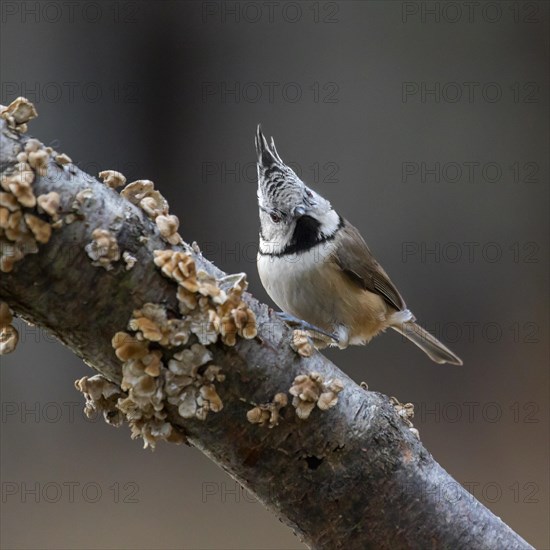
(425, 123)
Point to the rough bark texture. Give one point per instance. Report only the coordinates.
(351, 477)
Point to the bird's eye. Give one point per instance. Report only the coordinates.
(309, 193)
(275, 218)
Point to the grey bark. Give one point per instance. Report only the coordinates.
(351, 477)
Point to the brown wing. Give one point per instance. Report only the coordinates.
(356, 260)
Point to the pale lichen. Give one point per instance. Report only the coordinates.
(62, 159)
(209, 309)
(8, 339)
(112, 178)
(21, 230)
(8, 202)
(103, 249)
(101, 397)
(8, 333)
(49, 204)
(41, 230)
(38, 159)
(405, 411)
(301, 343)
(18, 113)
(151, 322)
(17, 235)
(10, 253)
(190, 383)
(81, 197)
(143, 194)
(168, 228)
(18, 181)
(143, 403)
(214, 307)
(12, 224)
(178, 266)
(128, 347)
(236, 317)
(129, 260)
(310, 390)
(268, 414)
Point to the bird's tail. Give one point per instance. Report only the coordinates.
(430, 345)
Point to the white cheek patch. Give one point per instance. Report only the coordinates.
(274, 239)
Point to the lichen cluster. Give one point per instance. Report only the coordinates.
(164, 356)
(143, 382)
(207, 312)
(25, 219)
(142, 193)
(103, 249)
(188, 382)
(18, 113)
(101, 397)
(268, 414)
(209, 309)
(112, 178)
(405, 411)
(151, 323)
(8, 333)
(310, 390)
(143, 398)
(212, 308)
(301, 343)
(136, 407)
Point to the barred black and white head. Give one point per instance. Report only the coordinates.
(293, 217)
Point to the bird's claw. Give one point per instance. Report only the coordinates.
(299, 324)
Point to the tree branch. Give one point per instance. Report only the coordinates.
(352, 476)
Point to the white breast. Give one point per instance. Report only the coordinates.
(301, 284)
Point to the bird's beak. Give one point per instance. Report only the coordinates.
(299, 211)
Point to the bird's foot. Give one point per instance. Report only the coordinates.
(299, 324)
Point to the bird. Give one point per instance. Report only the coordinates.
(318, 269)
